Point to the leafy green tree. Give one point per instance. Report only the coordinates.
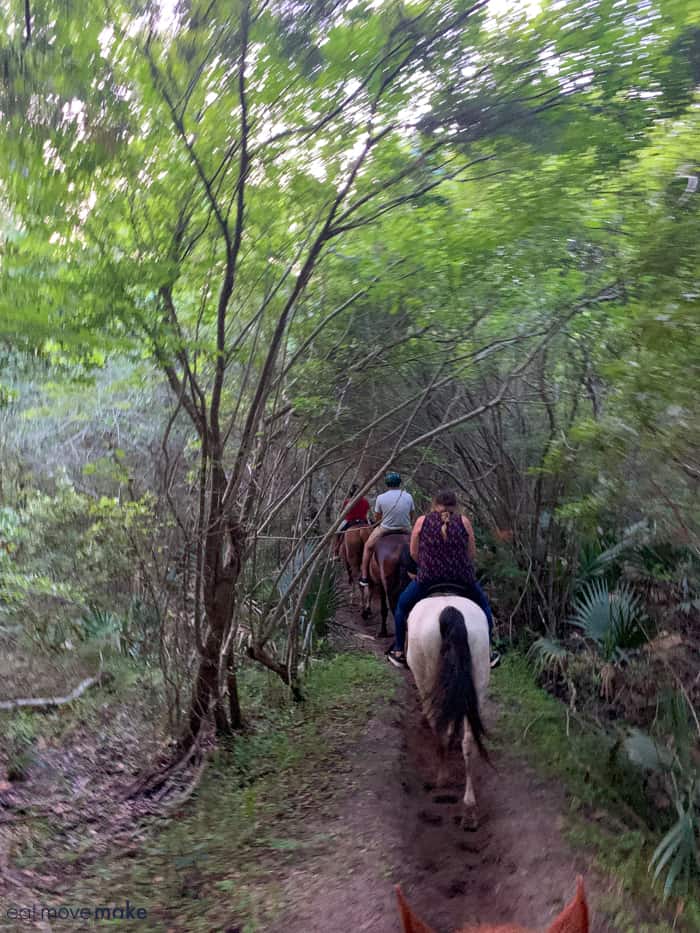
(221, 187)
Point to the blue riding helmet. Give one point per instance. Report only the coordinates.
(392, 480)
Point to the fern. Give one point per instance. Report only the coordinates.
(596, 560)
(322, 602)
(679, 849)
(615, 620)
(548, 655)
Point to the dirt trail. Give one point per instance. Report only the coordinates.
(393, 827)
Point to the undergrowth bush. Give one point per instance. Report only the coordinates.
(65, 555)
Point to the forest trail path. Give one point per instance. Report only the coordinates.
(392, 827)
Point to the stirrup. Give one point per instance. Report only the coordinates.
(397, 658)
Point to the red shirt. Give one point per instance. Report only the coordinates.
(358, 513)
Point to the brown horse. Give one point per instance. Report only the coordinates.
(385, 576)
(351, 548)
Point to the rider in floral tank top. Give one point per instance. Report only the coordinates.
(443, 550)
(443, 545)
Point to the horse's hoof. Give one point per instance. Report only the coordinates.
(470, 820)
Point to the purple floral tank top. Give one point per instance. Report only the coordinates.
(440, 560)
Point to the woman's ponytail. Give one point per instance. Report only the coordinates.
(446, 503)
(445, 519)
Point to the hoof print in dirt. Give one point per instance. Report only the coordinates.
(434, 819)
(456, 888)
(469, 847)
(445, 798)
(467, 822)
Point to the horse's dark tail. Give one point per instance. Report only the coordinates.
(454, 697)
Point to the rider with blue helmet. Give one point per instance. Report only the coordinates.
(394, 511)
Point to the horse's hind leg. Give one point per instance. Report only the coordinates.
(470, 817)
(365, 602)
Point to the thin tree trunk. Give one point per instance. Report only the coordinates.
(221, 575)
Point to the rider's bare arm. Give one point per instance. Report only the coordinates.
(472, 541)
(415, 536)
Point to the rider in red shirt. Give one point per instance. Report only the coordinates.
(357, 515)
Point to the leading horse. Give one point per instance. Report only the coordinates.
(448, 655)
(351, 548)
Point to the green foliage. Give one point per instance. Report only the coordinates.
(133, 633)
(613, 620)
(583, 758)
(678, 850)
(548, 655)
(669, 754)
(644, 752)
(322, 601)
(597, 559)
(63, 553)
(20, 735)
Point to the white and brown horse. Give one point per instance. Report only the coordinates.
(448, 654)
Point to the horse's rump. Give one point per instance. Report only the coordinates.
(425, 640)
(385, 566)
(448, 654)
(434, 639)
(353, 545)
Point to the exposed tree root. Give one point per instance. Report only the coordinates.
(40, 703)
(151, 783)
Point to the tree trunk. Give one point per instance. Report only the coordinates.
(222, 566)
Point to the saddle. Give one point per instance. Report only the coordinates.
(449, 589)
(396, 531)
(356, 523)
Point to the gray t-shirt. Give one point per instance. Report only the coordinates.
(396, 506)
